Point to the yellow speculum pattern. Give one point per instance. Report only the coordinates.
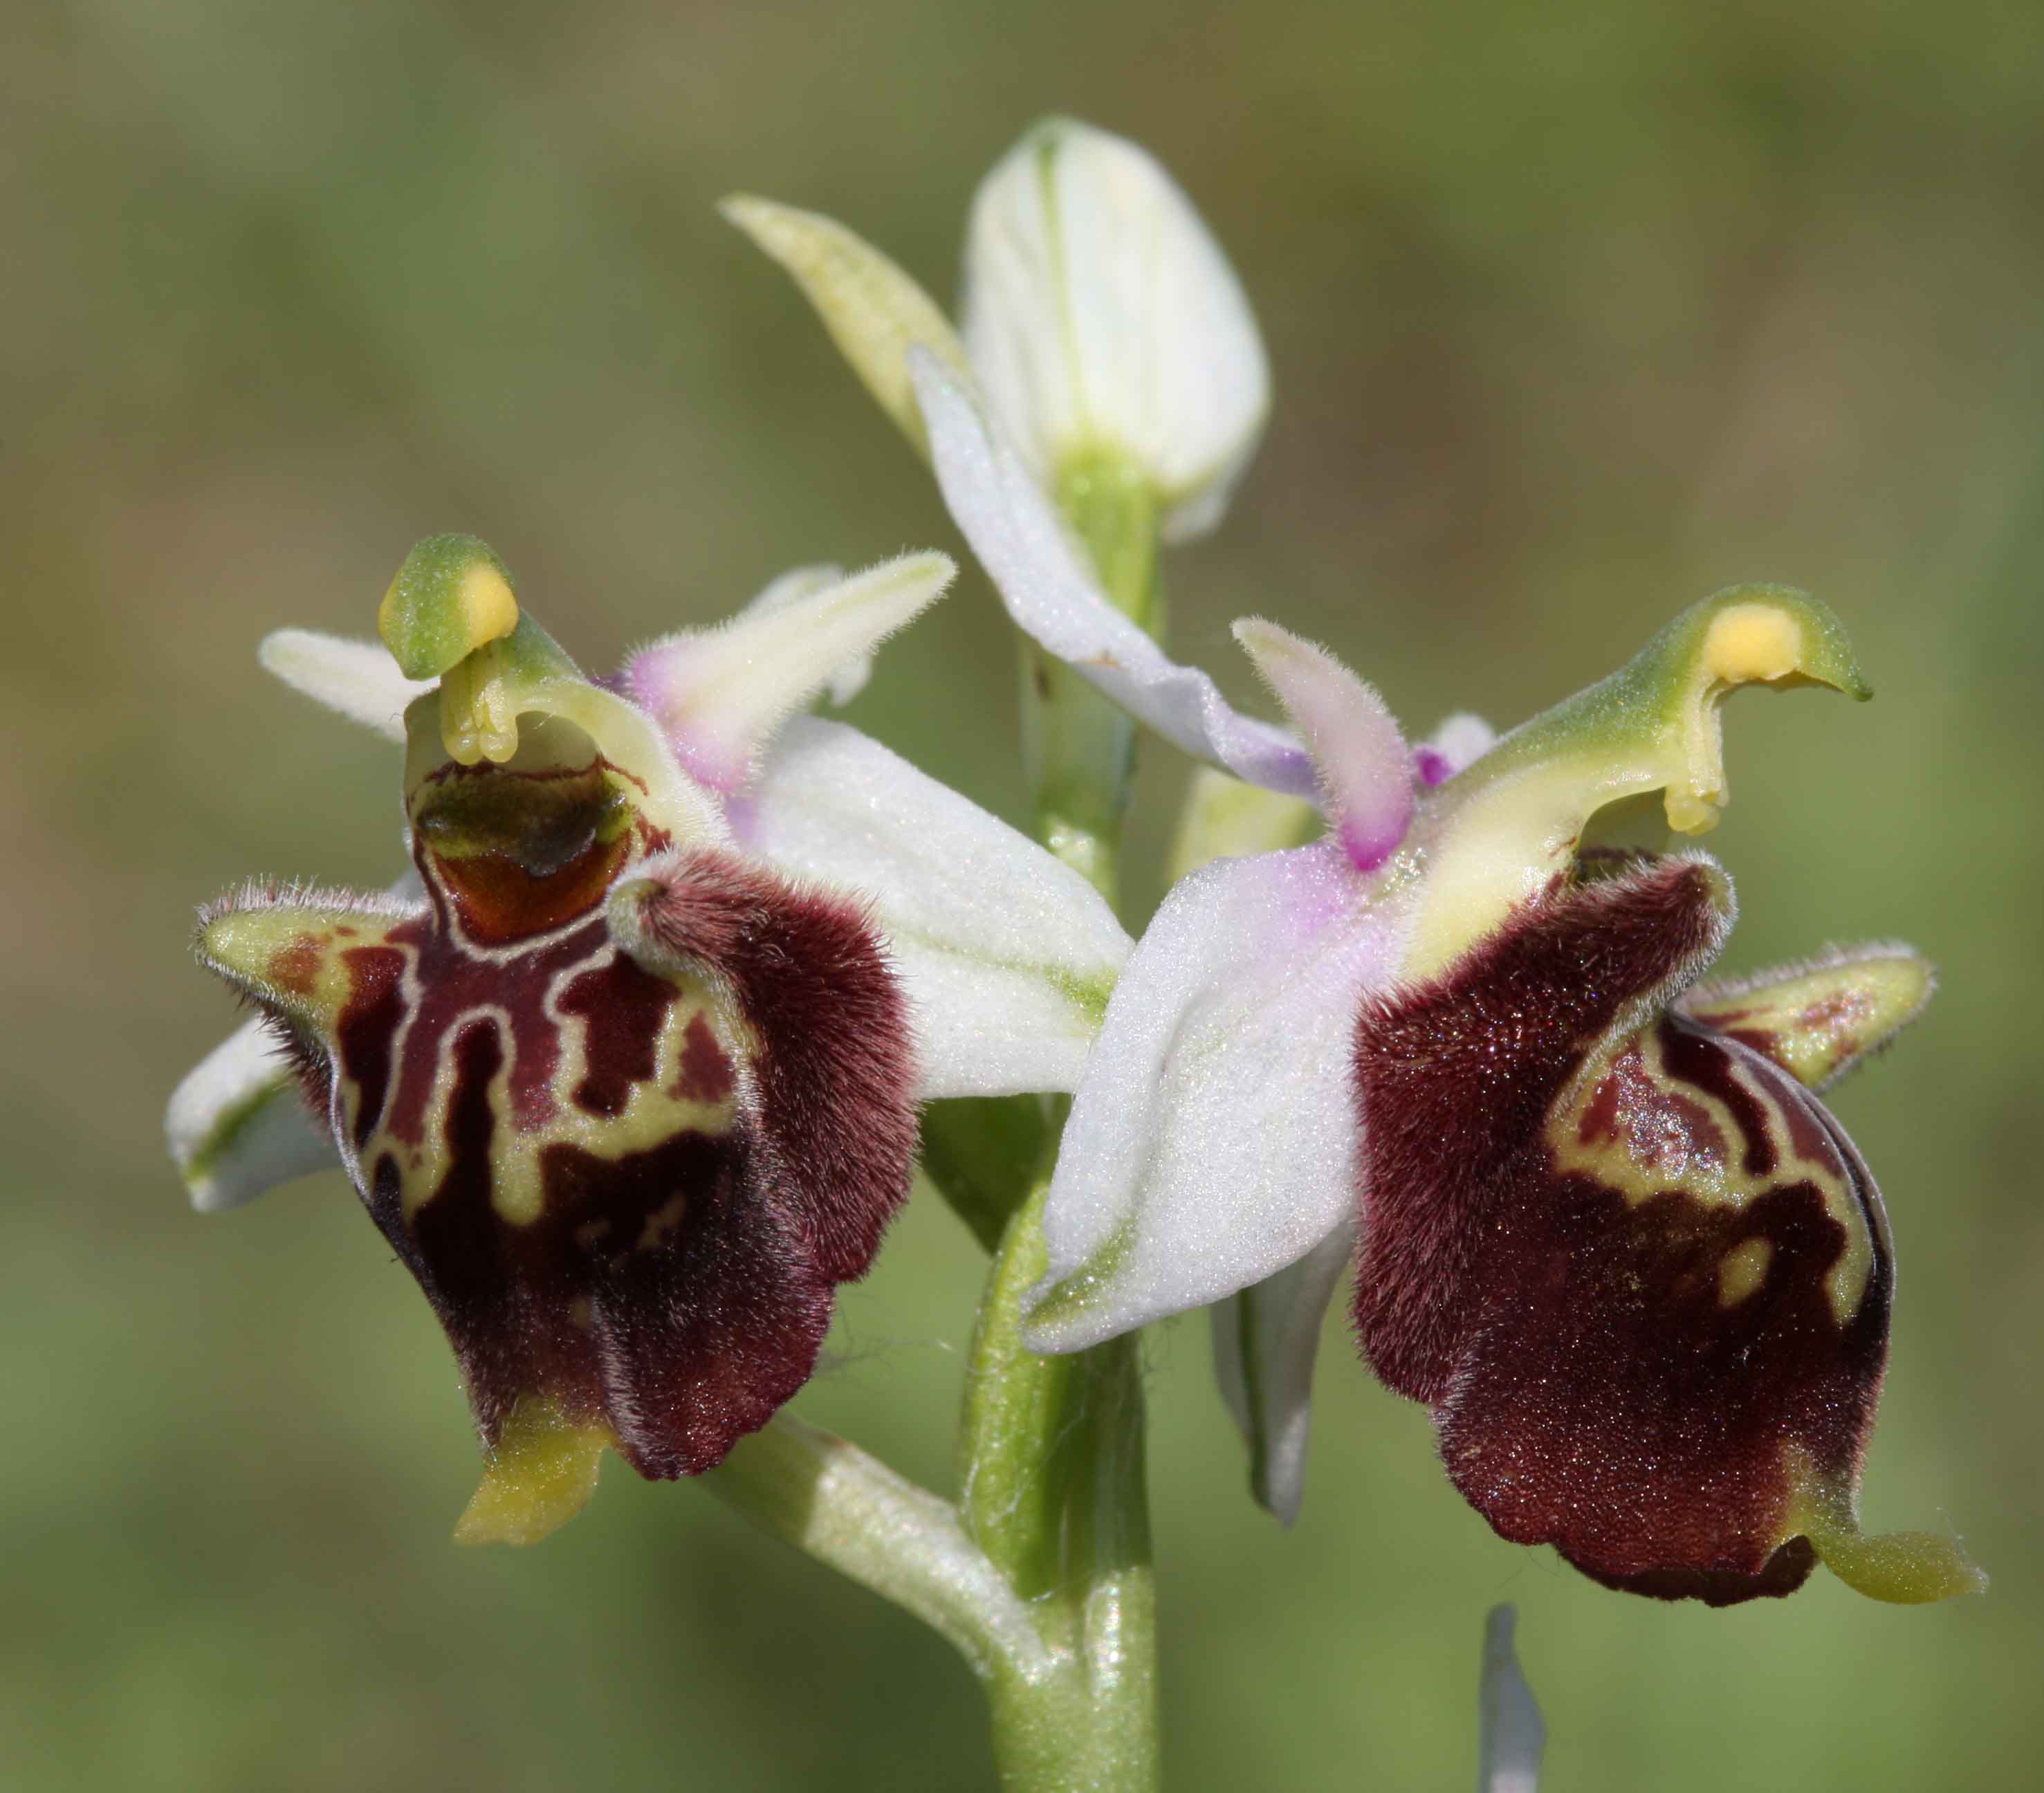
(1742, 1269)
(655, 1109)
(1674, 1135)
(1818, 1022)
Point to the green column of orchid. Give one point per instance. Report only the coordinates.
(1051, 1450)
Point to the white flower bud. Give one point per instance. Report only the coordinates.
(1099, 313)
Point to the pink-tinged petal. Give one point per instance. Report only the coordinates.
(1212, 1141)
(1265, 1338)
(1365, 775)
(1458, 743)
(1044, 581)
(719, 693)
(1006, 954)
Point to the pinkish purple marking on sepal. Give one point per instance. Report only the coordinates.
(1432, 765)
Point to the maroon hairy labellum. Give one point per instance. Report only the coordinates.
(628, 1112)
(1634, 1266)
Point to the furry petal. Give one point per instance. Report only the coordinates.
(719, 693)
(1365, 773)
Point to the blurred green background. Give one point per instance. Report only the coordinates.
(1575, 316)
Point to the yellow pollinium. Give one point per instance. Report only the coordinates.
(479, 715)
(1752, 643)
(1747, 644)
(539, 1476)
(450, 597)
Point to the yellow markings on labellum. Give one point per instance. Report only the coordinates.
(539, 1476)
(1643, 1132)
(1816, 1022)
(1902, 1568)
(1742, 1269)
(655, 1110)
(287, 956)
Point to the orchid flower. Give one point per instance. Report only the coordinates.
(1106, 361)
(1599, 1221)
(629, 1076)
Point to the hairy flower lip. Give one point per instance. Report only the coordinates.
(1224, 1199)
(629, 1094)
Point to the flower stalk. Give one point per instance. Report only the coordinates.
(1052, 1449)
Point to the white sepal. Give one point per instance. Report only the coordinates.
(1366, 773)
(1213, 1140)
(1056, 601)
(238, 1125)
(1007, 955)
(1510, 1735)
(1265, 1338)
(358, 679)
(718, 693)
(1098, 310)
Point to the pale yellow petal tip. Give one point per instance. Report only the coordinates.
(540, 1475)
(1901, 1567)
(756, 217)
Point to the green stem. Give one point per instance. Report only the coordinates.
(1041, 1576)
(1078, 749)
(1051, 1450)
(1054, 1493)
(848, 1509)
